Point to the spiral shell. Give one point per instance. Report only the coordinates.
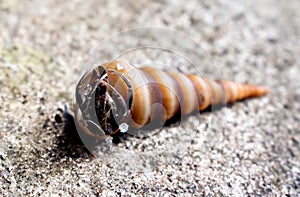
(117, 96)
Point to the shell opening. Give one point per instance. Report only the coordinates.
(100, 109)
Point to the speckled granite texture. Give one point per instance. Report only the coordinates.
(42, 44)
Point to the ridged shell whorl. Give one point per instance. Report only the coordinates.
(121, 94)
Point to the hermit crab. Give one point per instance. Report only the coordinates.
(118, 97)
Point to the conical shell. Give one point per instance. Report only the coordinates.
(159, 94)
(175, 91)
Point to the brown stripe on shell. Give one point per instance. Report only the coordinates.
(188, 101)
(202, 91)
(216, 92)
(146, 94)
(168, 88)
(156, 108)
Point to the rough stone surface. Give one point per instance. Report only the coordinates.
(42, 44)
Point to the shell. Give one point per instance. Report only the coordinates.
(117, 96)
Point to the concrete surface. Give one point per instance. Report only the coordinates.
(42, 44)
